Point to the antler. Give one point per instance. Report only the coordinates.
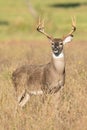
(73, 27)
(40, 28)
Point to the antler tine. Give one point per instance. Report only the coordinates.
(74, 23)
(40, 28)
(43, 24)
(39, 24)
(73, 27)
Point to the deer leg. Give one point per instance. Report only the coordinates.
(54, 89)
(23, 98)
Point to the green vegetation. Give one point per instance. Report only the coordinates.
(17, 23)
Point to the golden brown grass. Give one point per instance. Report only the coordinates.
(66, 110)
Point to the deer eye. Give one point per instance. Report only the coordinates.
(60, 43)
(52, 44)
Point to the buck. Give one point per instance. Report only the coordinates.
(45, 79)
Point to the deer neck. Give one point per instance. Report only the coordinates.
(58, 62)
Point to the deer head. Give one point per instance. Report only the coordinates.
(57, 43)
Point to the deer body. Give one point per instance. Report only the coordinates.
(43, 79)
(42, 75)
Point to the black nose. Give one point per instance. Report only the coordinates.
(55, 48)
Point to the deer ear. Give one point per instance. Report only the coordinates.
(68, 39)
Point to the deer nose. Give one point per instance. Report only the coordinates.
(56, 48)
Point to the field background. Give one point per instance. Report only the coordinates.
(21, 44)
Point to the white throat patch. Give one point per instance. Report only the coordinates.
(61, 55)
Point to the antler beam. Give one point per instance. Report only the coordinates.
(40, 28)
(73, 27)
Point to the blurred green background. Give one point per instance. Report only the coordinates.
(17, 22)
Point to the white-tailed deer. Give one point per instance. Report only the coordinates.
(43, 79)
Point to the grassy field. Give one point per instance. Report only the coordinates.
(66, 110)
(20, 44)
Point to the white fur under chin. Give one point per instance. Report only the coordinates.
(61, 55)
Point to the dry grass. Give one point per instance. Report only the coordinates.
(66, 110)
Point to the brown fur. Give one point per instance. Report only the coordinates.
(44, 77)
